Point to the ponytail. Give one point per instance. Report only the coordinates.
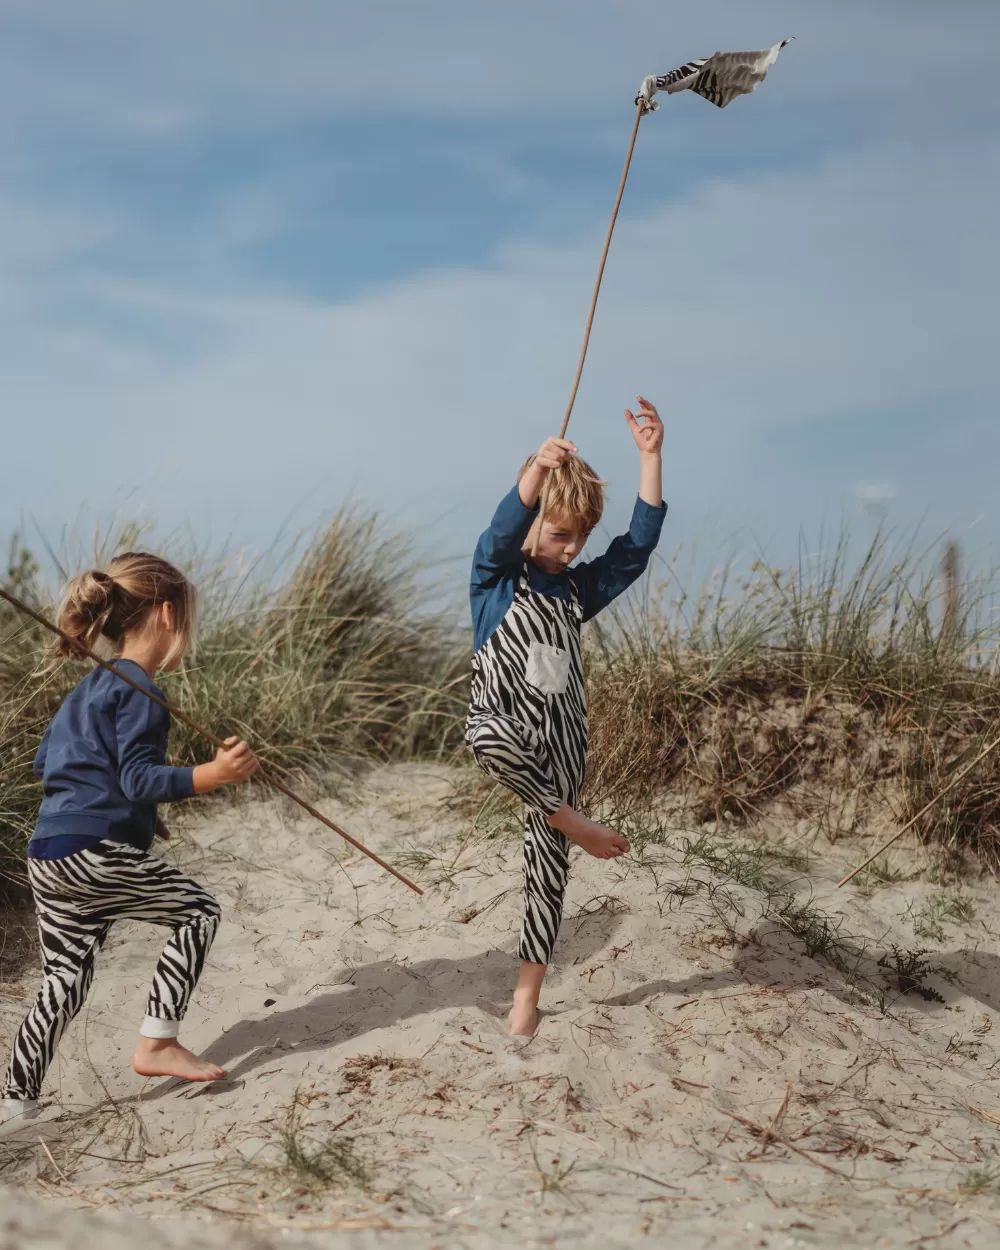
(87, 605)
(109, 603)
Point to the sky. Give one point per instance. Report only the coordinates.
(261, 258)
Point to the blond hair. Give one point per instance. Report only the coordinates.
(576, 493)
(109, 603)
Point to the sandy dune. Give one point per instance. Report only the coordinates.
(696, 1074)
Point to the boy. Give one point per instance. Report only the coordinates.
(527, 725)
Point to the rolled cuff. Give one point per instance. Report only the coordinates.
(13, 1108)
(152, 1026)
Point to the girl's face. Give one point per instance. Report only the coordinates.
(159, 640)
(168, 635)
(560, 542)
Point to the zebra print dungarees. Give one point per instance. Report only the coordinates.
(527, 728)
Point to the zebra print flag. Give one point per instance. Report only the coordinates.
(719, 78)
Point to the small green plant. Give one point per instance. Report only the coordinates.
(553, 1173)
(315, 1163)
(978, 1181)
(879, 873)
(928, 919)
(909, 970)
(952, 909)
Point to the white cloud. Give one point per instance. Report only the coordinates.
(751, 306)
(149, 69)
(857, 284)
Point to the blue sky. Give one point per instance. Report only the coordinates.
(257, 258)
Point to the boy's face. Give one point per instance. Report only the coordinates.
(560, 542)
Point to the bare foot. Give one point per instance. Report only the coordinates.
(523, 1018)
(597, 840)
(167, 1057)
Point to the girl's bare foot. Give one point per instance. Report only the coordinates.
(523, 1018)
(597, 840)
(156, 1056)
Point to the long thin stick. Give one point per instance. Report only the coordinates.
(205, 733)
(640, 109)
(910, 823)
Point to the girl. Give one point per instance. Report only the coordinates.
(102, 766)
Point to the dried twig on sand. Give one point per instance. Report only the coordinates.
(770, 1132)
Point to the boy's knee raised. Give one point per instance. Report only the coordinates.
(500, 742)
(482, 739)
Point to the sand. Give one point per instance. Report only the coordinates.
(696, 1075)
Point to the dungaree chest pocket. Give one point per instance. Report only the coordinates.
(547, 668)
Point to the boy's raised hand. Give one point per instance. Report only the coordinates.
(553, 452)
(649, 434)
(550, 455)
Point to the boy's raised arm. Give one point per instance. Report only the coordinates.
(500, 545)
(601, 581)
(647, 431)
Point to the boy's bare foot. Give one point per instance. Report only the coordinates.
(597, 840)
(523, 1018)
(167, 1057)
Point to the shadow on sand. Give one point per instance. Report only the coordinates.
(381, 994)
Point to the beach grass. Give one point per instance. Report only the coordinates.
(845, 688)
(324, 655)
(851, 686)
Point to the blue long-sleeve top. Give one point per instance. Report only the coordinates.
(102, 764)
(497, 565)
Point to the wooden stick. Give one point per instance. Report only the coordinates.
(204, 733)
(640, 109)
(910, 823)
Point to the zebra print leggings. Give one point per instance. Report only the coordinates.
(78, 899)
(513, 754)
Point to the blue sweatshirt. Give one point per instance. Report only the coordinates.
(102, 763)
(497, 565)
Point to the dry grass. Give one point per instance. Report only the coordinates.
(321, 657)
(831, 690)
(845, 687)
(315, 1160)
